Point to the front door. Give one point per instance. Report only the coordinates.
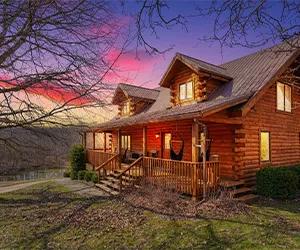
(166, 137)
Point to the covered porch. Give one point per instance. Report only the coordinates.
(148, 148)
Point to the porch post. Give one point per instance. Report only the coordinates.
(144, 141)
(119, 147)
(104, 141)
(195, 139)
(84, 140)
(94, 143)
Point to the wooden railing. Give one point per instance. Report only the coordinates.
(132, 174)
(183, 176)
(110, 165)
(97, 157)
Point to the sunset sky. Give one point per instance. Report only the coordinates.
(147, 71)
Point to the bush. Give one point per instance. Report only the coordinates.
(296, 170)
(277, 183)
(67, 173)
(77, 159)
(88, 176)
(81, 174)
(94, 177)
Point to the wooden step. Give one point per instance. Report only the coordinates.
(107, 189)
(240, 191)
(247, 198)
(110, 184)
(231, 184)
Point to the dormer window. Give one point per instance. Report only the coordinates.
(186, 91)
(126, 108)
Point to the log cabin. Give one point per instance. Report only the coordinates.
(204, 127)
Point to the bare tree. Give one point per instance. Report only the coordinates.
(56, 49)
(53, 61)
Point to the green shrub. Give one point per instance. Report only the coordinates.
(67, 173)
(77, 159)
(277, 183)
(296, 170)
(81, 174)
(94, 177)
(88, 176)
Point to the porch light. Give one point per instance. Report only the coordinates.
(157, 135)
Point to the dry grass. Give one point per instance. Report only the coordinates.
(222, 204)
(161, 201)
(172, 203)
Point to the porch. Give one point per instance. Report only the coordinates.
(197, 173)
(182, 176)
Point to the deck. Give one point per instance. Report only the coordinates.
(183, 176)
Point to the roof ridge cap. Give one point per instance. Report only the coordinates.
(201, 60)
(121, 83)
(259, 51)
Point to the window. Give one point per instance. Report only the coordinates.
(126, 108)
(265, 146)
(125, 141)
(167, 140)
(186, 91)
(284, 97)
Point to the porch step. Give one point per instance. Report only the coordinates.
(240, 192)
(111, 185)
(231, 184)
(247, 198)
(107, 189)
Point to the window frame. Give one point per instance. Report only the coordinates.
(269, 144)
(125, 138)
(185, 84)
(285, 85)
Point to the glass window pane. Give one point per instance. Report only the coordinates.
(189, 90)
(265, 146)
(182, 91)
(99, 140)
(123, 142)
(128, 142)
(89, 140)
(167, 140)
(280, 96)
(288, 98)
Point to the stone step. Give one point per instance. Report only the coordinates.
(247, 198)
(240, 191)
(107, 189)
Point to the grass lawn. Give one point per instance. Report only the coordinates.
(49, 216)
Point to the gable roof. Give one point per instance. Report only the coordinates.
(135, 92)
(253, 72)
(167, 113)
(251, 76)
(197, 66)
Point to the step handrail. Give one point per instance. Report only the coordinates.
(105, 163)
(119, 176)
(129, 167)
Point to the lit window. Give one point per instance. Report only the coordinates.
(167, 140)
(125, 142)
(186, 91)
(265, 146)
(126, 108)
(284, 97)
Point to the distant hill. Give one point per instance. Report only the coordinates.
(36, 148)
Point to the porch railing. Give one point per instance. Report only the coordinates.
(183, 176)
(97, 157)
